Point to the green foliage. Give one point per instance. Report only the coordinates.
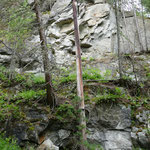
(88, 74)
(148, 75)
(109, 96)
(19, 77)
(66, 113)
(92, 59)
(31, 94)
(83, 58)
(7, 108)
(146, 4)
(107, 74)
(28, 80)
(91, 74)
(38, 79)
(106, 98)
(20, 18)
(8, 144)
(4, 74)
(90, 146)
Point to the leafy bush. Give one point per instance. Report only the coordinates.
(66, 112)
(106, 97)
(38, 79)
(7, 108)
(8, 144)
(88, 74)
(90, 146)
(31, 94)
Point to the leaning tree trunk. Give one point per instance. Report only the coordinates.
(118, 38)
(50, 93)
(79, 76)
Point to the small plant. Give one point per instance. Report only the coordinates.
(83, 58)
(92, 59)
(107, 74)
(90, 146)
(8, 109)
(20, 77)
(8, 144)
(66, 113)
(30, 95)
(92, 74)
(68, 78)
(106, 98)
(38, 79)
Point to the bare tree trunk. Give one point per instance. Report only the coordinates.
(137, 27)
(118, 37)
(50, 93)
(79, 76)
(146, 43)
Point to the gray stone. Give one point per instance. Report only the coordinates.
(99, 1)
(5, 52)
(59, 6)
(95, 135)
(30, 2)
(128, 14)
(47, 145)
(144, 140)
(63, 134)
(96, 12)
(45, 18)
(5, 59)
(118, 140)
(119, 118)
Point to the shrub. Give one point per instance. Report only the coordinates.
(8, 144)
(88, 74)
(38, 79)
(66, 112)
(31, 94)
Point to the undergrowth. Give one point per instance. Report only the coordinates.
(8, 144)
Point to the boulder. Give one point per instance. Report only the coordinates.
(47, 145)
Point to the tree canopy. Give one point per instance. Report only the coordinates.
(146, 3)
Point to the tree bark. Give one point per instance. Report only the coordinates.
(79, 76)
(50, 94)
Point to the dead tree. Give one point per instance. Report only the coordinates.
(79, 75)
(50, 94)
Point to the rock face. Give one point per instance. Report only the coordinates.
(97, 25)
(108, 126)
(95, 31)
(140, 134)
